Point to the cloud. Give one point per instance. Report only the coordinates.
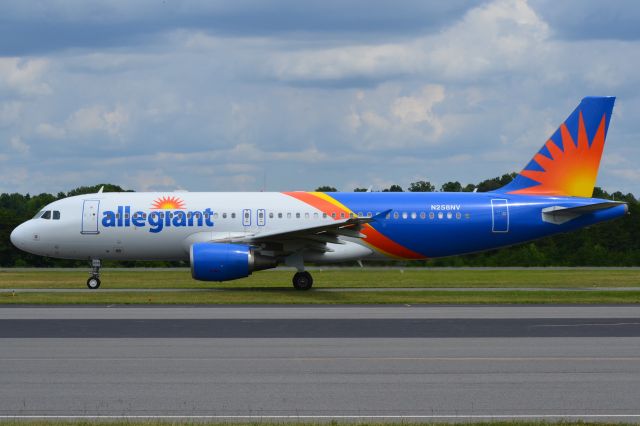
(500, 34)
(30, 28)
(406, 120)
(10, 113)
(19, 146)
(88, 120)
(580, 20)
(98, 118)
(23, 76)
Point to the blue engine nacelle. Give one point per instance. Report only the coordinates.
(225, 262)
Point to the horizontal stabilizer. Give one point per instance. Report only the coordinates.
(559, 214)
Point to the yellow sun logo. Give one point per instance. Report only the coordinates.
(168, 203)
(572, 170)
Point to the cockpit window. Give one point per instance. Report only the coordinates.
(46, 215)
(56, 215)
(39, 214)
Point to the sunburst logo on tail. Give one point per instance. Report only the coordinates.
(572, 169)
(168, 203)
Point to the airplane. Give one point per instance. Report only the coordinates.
(227, 236)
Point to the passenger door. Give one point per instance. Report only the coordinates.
(90, 211)
(500, 215)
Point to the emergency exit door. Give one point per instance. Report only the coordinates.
(246, 217)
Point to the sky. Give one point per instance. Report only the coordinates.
(289, 95)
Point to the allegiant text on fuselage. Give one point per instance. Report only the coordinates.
(157, 220)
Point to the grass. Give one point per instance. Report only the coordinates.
(275, 296)
(273, 287)
(336, 278)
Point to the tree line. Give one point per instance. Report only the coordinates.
(615, 243)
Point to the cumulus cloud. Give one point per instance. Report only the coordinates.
(23, 76)
(502, 34)
(19, 146)
(88, 120)
(406, 120)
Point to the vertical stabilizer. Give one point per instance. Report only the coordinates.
(567, 164)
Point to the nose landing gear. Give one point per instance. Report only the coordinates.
(94, 280)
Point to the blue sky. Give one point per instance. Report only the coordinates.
(228, 96)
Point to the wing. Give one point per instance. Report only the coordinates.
(289, 240)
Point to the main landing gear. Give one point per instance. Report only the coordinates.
(302, 280)
(94, 280)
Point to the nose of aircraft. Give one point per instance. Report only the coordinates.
(19, 236)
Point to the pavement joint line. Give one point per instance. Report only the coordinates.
(348, 358)
(329, 416)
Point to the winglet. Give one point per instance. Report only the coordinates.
(382, 215)
(101, 189)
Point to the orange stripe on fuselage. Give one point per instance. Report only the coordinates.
(327, 204)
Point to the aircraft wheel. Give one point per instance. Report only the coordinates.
(302, 280)
(93, 283)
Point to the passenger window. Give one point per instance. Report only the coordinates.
(297, 215)
(458, 215)
(306, 215)
(224, 215)
(413, 215)
(368, 214)
(440, 215)
(423, 215)
(395, 215)
(404, 215)
(279, 215)
(270, 215)
(56, 215)
(215, 215)
(449, 215)
(233, 215)
(315, 215)
(342, 215)
(333, 215)
(324, 215)
(431, 215)
(289, 215)
(46, 215)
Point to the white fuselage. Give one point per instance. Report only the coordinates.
(131, 226)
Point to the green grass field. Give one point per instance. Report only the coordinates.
(273, 287)
(335, 278)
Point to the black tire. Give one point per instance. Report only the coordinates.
(302, 281)
(93, 283)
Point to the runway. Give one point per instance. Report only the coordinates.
(435, 362)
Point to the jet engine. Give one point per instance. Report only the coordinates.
(225, 262)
